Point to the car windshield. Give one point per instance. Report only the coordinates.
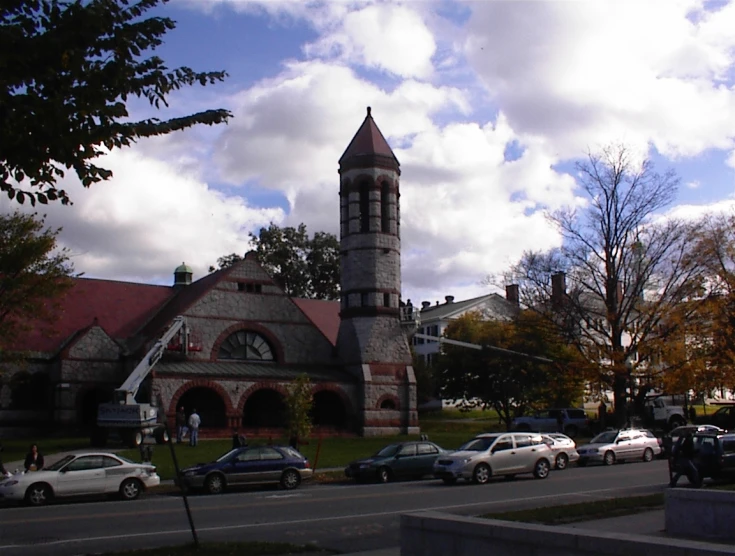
(226, 456)
(605, 438)
(388, 451)
(59, 464)
(478, 444)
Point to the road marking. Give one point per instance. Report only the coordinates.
(285, 496)
(309, 520)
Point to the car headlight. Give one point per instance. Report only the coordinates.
(365, 466)
(467, 460)
(593, 450)
(190, 473)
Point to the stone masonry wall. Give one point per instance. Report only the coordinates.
(95, 344)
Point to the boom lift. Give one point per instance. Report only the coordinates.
(134, 421)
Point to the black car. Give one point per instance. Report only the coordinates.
(254, 464)
(723, 418)
(405, 459)
(670, 440)
(714, 455)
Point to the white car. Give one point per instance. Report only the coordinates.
(563, 448)
(614, 446)
(82, 474)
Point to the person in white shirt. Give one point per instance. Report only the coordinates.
(194, 422)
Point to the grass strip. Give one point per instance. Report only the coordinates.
(583, 511)
(228, 549)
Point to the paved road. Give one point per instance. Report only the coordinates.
(342, 517)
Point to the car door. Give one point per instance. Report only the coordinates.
(623, 446)
(728, 455)
(502, 455)
(524, 456)
(84, 475)
(273, 463)
(115, 472)
(427, 454)
(245, 467)
(406, 462)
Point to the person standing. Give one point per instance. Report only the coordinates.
(602, 415)
(684, 462)
(194, 422)
(34, 459)
(238, 440)
(180, 425)
(560, 421)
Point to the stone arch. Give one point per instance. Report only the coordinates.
(218, 417)
(275, 345)
(331, 408)
(88, 400)
(389, 402)
(264, 406)
(392, 183)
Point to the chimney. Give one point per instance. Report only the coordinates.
(512, 294)
(425, 304)
(558, 287)
(449, 299)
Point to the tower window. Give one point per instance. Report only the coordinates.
(364, 300)
(386, 299)
(385, 207)
(364, 208)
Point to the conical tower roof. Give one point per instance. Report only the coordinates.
(368, 141)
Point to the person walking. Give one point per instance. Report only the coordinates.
(194, 422)
(684, 462)
(238, 440)
(602, 415)
(34, 459)
(180, 425)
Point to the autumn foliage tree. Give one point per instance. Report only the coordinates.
(34, 275)
(299, 402)
(67, 72)
(506, 382)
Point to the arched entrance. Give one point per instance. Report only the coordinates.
(209, 405)
(264, 408)
(89, 402)
(328, 410)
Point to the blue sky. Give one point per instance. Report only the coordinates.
(487, 105)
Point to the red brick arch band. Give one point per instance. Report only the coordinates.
(200, 383)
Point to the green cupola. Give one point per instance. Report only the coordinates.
(183, 275)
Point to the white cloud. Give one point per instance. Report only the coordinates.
(582, 73)
(694, 184)
(148, 219)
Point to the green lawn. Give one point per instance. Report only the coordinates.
(227, 549)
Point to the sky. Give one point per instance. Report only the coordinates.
(487, 105)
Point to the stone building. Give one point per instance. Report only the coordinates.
(247, 339)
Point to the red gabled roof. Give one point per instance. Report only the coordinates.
(119, 307)
(368, 140)
(323, 314)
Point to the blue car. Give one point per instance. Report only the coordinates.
(249, 465)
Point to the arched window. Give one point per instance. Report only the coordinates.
(364, 207)
(388, 404)
(246, 346)
(385, 208)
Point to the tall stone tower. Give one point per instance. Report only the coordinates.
(371, 342)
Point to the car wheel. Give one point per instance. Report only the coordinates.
(162, 436)
(449, 481)
(290, 479)
(676, 422)
(541, 469)
(384, 475)
(561, 462)
(130, 489)
(39, 494)
(481, 474)
(215, 484)
(609, 458)
(647, 455)
(571, 431)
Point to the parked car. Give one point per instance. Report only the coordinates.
(250, 465)
(574, 421)
(723, 418)
(404, 459)
(670, 440)
(614, 446)
(490, 455)
(84, 474)
(563, 448)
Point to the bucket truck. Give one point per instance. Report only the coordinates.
(134, 421)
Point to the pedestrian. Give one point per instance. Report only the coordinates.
(194, 422)
(238, 440)
(3, 471)
(692, 414)
(602, 414)
(684, 461)
(180, 425)
(34, 459)
(560, 421)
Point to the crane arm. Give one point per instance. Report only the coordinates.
(481, 347)
(129, 389)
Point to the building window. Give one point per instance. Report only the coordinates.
(364, 299)
(364, 208)
(386, 299)
(388, 404)
(246, 346)
(385, 207)
(240, 287)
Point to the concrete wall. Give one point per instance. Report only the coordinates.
(437, 534)
(700, 513)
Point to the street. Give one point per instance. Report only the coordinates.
(341, 517)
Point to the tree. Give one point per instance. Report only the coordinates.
(508, 383)
(34, 275)
(628, 272)
(299, 401)
(67, 70)
(303, 266)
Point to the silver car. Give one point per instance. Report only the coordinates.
(624, 445)
(563, 448)
(489, 455)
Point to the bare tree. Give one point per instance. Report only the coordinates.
(626, 267)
